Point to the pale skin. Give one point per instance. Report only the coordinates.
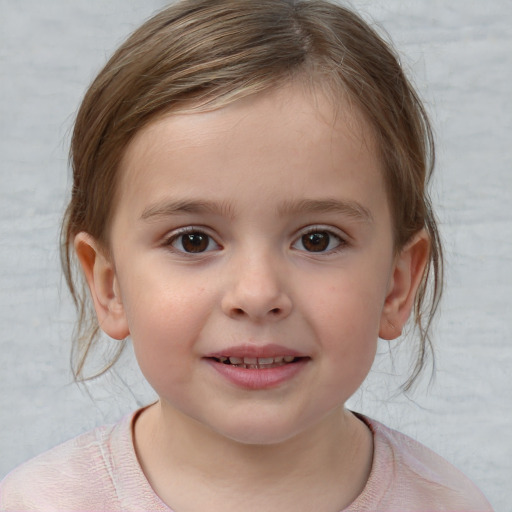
(263, 222)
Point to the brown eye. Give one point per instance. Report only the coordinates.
(318, 241)
(193, 242)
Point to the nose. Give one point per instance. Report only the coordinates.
(256, 291)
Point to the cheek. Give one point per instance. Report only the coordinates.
(349, 303)
(165, 324)
(346, 320)
(348, 333)
(348, 337)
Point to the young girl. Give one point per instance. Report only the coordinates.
(249, 207)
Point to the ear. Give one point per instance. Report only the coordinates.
(404, 282)
(101, 278)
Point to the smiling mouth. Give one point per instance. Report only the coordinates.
(257, 363)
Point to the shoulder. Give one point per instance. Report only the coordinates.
(75, 475)
(407, 474)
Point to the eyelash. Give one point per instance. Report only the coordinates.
(319, 235)
(179, 235)
(327, 236)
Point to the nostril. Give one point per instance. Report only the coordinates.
(238, 312)
(256, 306)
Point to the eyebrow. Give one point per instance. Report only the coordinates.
(350, 209)
(169, 208)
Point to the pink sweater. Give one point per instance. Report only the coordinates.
(99, 471)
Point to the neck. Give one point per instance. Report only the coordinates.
(328, 463)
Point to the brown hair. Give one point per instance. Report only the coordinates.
(204, 54)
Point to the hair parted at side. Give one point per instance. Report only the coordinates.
(199, 54)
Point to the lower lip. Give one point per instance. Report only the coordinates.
(265, 378)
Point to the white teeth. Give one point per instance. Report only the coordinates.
(256, 361)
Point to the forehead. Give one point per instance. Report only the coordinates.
(266, 137)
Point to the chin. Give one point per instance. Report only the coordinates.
(261, 437)
(261, 431)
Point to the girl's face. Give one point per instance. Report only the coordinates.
(253, 263)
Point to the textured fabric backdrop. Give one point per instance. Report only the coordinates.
(460, 56)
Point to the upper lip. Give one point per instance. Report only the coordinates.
(261, 351)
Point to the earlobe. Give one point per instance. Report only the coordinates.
(100, 275)
(404, 282)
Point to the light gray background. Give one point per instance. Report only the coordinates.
(459, 53)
